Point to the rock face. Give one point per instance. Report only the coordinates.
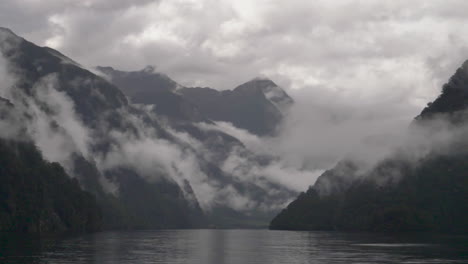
(257, 106)
(400, 193)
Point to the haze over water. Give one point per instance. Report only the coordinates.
(236, 247)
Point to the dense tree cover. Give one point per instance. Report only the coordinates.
(454, 97)
(139, 204)
(430, 197)
(38, 196)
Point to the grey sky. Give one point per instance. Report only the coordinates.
(219, 43)
(359, 60)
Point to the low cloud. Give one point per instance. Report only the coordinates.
(278, 169)
(322, 130)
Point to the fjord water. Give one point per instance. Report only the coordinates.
(234, 246)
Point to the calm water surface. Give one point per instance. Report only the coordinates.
(234, 246)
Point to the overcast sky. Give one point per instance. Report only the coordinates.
(362, 54)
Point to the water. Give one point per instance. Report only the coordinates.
(234, 246)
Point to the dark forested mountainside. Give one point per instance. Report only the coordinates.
(452, 100)
(139, 204)
(399, 194)
(430, 197)
(38, 196)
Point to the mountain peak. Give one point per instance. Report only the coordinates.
(263, 79)
(8, 39)
(4, 30)
(274, 93)
(149, 69)
(105, 69)
(257, 83)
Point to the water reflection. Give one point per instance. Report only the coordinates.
(233, 246)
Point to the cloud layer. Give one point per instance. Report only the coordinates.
(220, 43)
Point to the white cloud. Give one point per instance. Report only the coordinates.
(396, 46)
(279, 170)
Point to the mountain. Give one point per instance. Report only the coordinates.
(164, 97)
(422, 186)
(272, 92)
(39, 197)
(257, 106)
(149, 164)
(83, 122)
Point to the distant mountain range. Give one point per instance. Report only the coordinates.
(257, 106)
(148, 150)
(422, 186)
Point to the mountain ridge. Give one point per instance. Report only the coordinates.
(246, 106)
(266, 102)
